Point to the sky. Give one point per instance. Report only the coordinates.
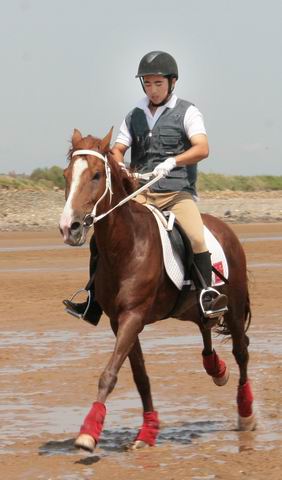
(69, 64)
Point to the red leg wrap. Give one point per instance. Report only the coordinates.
(245, 400)
(93, 422)
(214, 366)
(149, 431)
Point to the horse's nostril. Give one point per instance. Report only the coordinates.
(75, 226)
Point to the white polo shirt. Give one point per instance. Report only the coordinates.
(193, 120)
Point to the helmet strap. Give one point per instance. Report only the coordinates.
(142, 83)
(170, 86)
(162, 103)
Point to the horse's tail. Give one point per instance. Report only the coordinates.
(248, 316)
(223, 328)
(248, 312)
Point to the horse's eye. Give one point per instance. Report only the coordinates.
(96, 176)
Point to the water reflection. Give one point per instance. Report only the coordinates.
(246, 441)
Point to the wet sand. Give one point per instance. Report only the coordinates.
(50, 364)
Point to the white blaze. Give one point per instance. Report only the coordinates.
(67, 216)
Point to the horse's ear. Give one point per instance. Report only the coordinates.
(105, 143)
(76, 137)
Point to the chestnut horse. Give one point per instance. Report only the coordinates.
(132, 286)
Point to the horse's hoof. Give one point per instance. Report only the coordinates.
(223, 379)
(247, 424)
(137, 444)
(86, 442)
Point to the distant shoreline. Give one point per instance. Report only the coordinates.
(22, 210)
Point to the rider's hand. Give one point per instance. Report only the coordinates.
(165, 167)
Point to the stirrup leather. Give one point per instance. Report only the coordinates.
(72, 312)
(211, 313)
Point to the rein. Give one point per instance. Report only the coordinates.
(91, 218)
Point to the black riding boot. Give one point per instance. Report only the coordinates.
(213, 303)
(89, 310)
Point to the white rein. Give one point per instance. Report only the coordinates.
(108, 188)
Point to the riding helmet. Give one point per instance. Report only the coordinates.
(158, 63)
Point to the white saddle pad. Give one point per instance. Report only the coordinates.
(173, 263)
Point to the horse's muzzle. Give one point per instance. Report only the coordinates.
(75, 234)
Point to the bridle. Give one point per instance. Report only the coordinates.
(91, 218)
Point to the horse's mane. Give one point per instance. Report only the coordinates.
(129, 182)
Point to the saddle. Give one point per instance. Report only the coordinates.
(178, 258)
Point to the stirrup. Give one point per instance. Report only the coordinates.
(211, 313)
(72, 312)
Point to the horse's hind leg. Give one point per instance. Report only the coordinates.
(214, 366)
(149, 431)
(236, 319)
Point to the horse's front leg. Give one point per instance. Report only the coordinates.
(148, 432)
(130, 326)
(214, 366)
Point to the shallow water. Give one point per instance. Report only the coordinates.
(43, 269)
(62, 246)
(268, 238)
(264, 265)
(32, 418)
(38, 248)
(85, 269)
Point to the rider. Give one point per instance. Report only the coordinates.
(167, 136)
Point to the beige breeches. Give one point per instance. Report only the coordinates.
(185, 210)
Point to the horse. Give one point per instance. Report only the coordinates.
(133, 288)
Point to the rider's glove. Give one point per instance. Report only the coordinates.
(165, 167)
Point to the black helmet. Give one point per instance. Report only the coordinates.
(158, 63)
